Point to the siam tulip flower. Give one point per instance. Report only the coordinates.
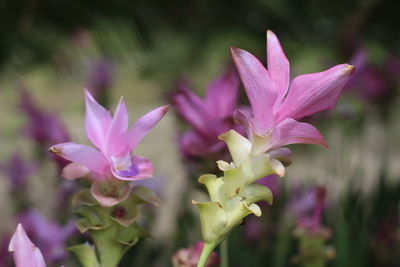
(372, 82)
(17, 170)
(209, 117)
(189, 257)
(112, 159)
(277, 103)
(26, 254)
(43, 127)
(49, 236)
(100, 79)
(308, 207)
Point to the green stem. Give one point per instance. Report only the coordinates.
(205, 253)
(224, 253)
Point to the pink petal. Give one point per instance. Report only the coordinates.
(195, 144)
(82, 154)
(141, 127)
(97, 121)
(291, 131)
(222, 94)
(26, 254)
(74, 171)
(191, 108)
(108, 201)
(259, 87)
(144, 170)
(314, 92)
(278, 66)
(116, 140)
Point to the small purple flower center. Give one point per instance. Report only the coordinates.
(132, 171)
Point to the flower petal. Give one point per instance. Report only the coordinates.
(116, 140)
(25, 252)
(141, 127)
(314, 92)
(191, 108)
(82, 154)
(222, 94)
(194, 144)
(291, 131)
(278, 66)
(74, 171)
(108, 201)
(259, 87)
(143, 170)
(97, 121)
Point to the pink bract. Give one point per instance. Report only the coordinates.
(277, 103)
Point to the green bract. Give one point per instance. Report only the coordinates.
(113, 229)
(234, 195)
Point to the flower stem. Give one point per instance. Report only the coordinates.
(205, 253)
(224, 253)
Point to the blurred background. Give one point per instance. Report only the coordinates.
(51, 50)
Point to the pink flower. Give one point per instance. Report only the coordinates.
(277, 103)
(189, 257)
(114, 143)
(49, 236)
(26, 254)
(209, 117)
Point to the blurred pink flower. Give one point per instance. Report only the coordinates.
(307, 206)
(277, 104)
(208, 117)
(189, 257)
(17, 171)
(372, 82)
(26, 254)
(49, 236)
(43, 127)
(114, 143)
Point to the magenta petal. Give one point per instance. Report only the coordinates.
(260, 89)
(82, 154)
(291, 131)
(314, 92)
(141, 127)
(141, 168)
(278, 66)
(97, 121)
(116, 142)
(191, 108)
(74, 171)
(26, 254)
(222, 94)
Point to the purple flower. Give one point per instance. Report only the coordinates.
(208, 117)
(100, 79)
(277, 103)
(49, 236)
(43, 127)
(17, 170)
(371, 82)
(25, 252)
(308, 207)
(114, 142)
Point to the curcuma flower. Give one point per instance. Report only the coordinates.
(114, 142)
(25, 252)
(189, 257)
(277, 103)
(209, 117)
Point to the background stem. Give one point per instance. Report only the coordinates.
(224, 253)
